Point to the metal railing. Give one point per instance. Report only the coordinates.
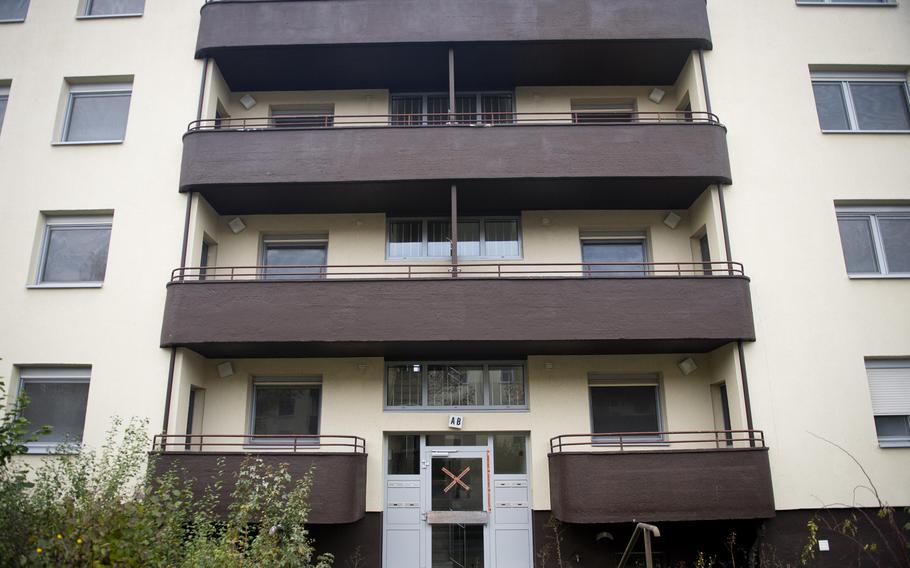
(255, 442)
(444, 119)
(303, 272)
(611, 441)
(647, 530)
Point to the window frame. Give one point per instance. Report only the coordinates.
(424, 246)
(93, 90)
(609, 380)
(844, 80)
(308, 110)
(71, 222)
(617, 237)
(478, 119)
(86, 8)
(888, 441)
(69, 374)
(290, 381)
(487, 388)
(267, 239)
(28, 6)
(4, 97)
(872, 214)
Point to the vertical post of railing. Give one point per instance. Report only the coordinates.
(620, 443)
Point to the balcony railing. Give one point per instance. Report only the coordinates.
(679, 439)
(464, 119)
(304, 272)
(259, 443)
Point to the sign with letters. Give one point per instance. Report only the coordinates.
(456, 422)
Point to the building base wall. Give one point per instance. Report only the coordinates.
(344, 541)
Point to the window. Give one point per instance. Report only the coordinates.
(625, 404)
(455, 385)
(96, 113)
(614, 254)
(509, 454)
(598, 112)
(4, 97)
(470, 108)
(57, 398)
(74, 251)
(876, 242)
(304, 116)
(286, 407)
(13, 10)
(114, 7)
(477, 238)
(871, 102)
(889, 385)
(404, 455)
(294, 258)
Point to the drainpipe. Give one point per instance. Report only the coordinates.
(454, 231)
(451, 85)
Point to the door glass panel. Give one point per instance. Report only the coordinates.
(404, 455)
(457, 484)
(457, 546)
(509, 454)
(435, 440)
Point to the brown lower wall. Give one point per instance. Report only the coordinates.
(352, 543)
(449, 317)
(338, 493)
(667, 485)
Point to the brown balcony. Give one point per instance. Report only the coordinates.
(474, 310)
(502, 162)
(393, 44)
(660, 476)
(339, 464)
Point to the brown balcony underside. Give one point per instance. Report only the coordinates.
(402, 44)
(662, 485)
(497, 168)
(339, 485)
(466, 317)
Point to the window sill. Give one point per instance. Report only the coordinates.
(62, 285)
(889, 445)
(107, 16)
(866, 132)
(87, 143)
(454, 409)
(849, 4)
(22, 21)
(878, 276)
(448, 259)
(52, 449)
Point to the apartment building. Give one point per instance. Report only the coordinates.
(493, 270)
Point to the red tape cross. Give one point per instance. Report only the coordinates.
(456, 480)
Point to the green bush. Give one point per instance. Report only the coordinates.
(106, 508)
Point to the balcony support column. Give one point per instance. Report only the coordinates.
(454, 231)
(451, 85)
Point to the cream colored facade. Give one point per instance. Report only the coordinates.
(815, 326)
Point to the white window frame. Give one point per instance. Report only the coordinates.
(889, 441)
(844, 80)
(424, 105)
(424, 247)
(4, 96)
(18, 20)
(304, 381)
(486, 387)
(80, 374)
(610, 380)
(873, 214)
(72, 221)
(86, 8)
(92, 89)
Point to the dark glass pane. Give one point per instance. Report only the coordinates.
(97, 117)
(58, 405)
(881, 106)
(624, 409)
(287, 258)
(856, 241)
(3, 101)
(465, 109)
(76, 254)
(468, 238)
(286, 409)
(896, 242)
(13, 9)
(439, 238)
(403, 386)
(705, 252)
(436, 440)
(892, 426)
(507, 386)
(829, 102)
(404, 455)
(405, 239)
(617, 251)
(449, 385)
(496, 109)
(509, 456)
(407, 111)
(457, 484)
(111, 7)
(501, 238)
(457, 546)
(311, 117)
